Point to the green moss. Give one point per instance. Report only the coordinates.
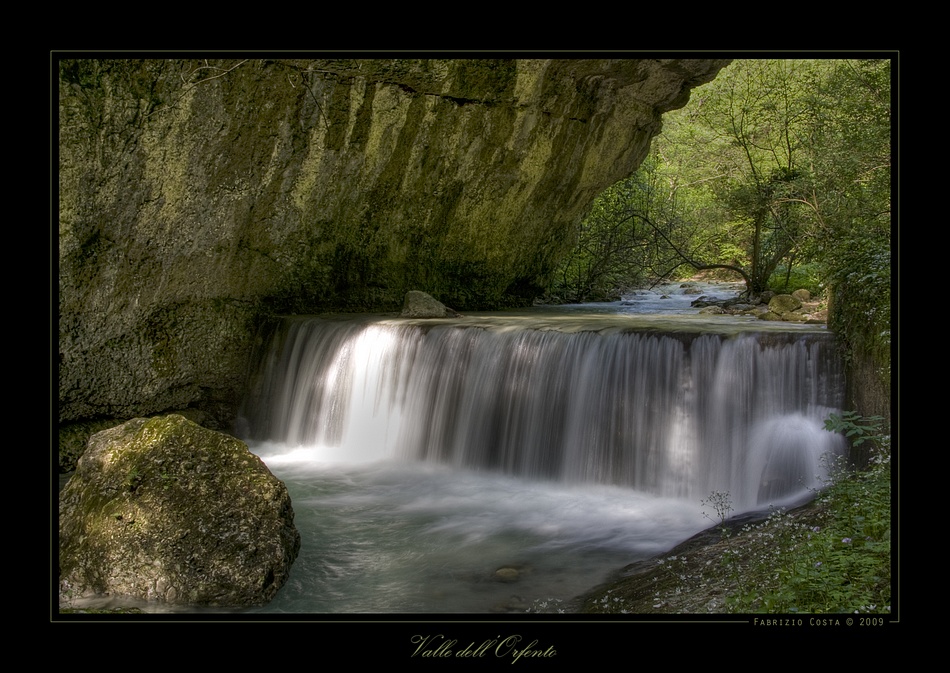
(310, 186)
(162, 509)
(485, 80)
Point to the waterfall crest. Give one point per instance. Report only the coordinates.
(672, 414)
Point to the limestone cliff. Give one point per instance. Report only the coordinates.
(198, 196)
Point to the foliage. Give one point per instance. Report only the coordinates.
(853, 179)
(753, 158)
(636, 233)
(609, 256)
(776, 167)
(861, 280)
(858, 429)
(788, 278)
(842, 564)
(841, 567)
(778, 171)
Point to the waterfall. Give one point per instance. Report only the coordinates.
(674, 414)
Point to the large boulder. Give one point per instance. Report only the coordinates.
(783, 307)
(163, 509)
(782, 304)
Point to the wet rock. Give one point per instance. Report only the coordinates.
(510, 573)
(421, 305)
(507, 574)
(313, 185)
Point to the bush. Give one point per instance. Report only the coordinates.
(804, 276)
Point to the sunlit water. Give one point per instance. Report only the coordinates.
(510, 462)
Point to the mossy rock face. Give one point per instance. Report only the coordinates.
(199, 197)
(164, 510)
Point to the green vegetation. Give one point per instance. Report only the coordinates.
(778, 170)
(838, 561)
(614, 245)
(788, 278)
(856, 428)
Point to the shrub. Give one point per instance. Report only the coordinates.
(803, 276)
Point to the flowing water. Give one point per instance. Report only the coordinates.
(507, 461)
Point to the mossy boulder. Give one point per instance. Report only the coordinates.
(73, 437)
(782, 304)
(164, 510)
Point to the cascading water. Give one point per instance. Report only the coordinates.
(676, 415)
(508, 437)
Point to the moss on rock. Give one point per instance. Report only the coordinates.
(164, 510)
(199, 196)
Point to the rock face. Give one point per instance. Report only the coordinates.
(165, 510)
(198, 196)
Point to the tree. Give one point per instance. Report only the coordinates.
(610, 253)
(775, 164)
(746, 137)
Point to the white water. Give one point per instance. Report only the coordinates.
(401, 537)
(421, 457)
